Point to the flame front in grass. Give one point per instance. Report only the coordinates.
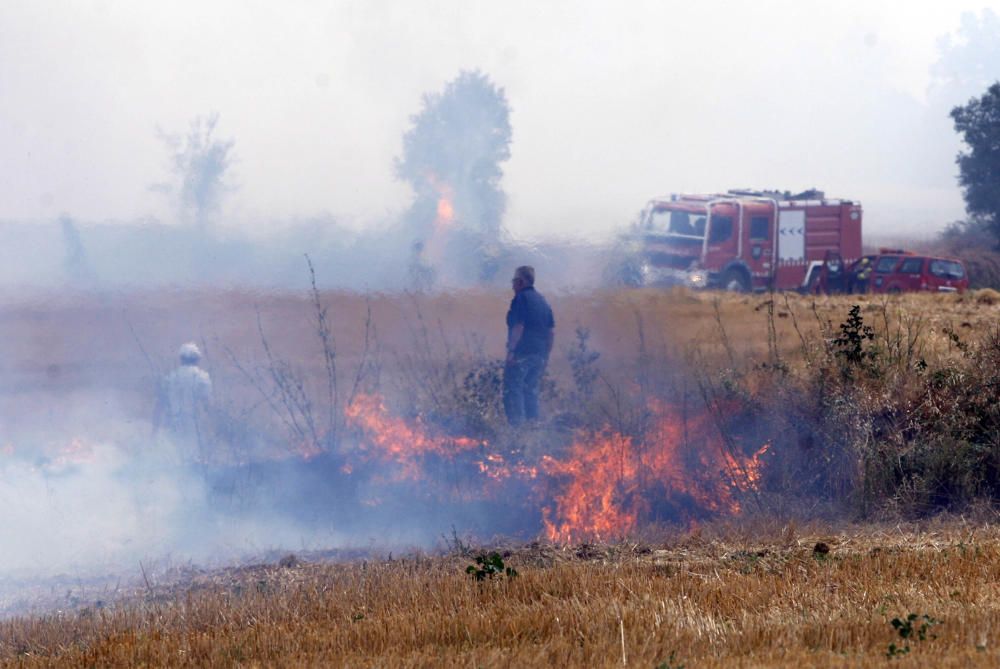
(682, 469)
(602, 486)
(746, 473)
(601, 480)
(390, 439)
(495, 467)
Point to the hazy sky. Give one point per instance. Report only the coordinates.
(612, 103)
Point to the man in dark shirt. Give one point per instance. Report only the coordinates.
(530, 333)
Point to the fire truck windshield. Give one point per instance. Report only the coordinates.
(677, 224)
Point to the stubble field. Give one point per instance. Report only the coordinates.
(758, 595)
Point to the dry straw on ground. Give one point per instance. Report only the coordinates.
(720, 597)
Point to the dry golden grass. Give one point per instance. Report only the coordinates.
(716, 598)
(85, 354)
(59, 345)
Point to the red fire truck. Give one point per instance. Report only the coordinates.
(748, 240)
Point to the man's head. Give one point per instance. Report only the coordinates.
(524, 277)
(189, 354)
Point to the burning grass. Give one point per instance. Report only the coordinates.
(613, 481)
(722, 596)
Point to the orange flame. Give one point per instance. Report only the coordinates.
(435, 246)
(495, 467)
(601, 487)
(445, 212)
(392, 439)
(602, 475)
(610, 481)
(445, 205)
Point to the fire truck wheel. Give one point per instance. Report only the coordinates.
(735, 281)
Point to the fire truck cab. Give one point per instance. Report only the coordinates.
(746, 240)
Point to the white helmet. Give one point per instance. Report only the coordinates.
(190, 353)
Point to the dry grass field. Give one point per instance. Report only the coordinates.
(731, 588)
(87, 366)
(67, 348)
(741, 595)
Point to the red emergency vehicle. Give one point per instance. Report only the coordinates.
(747, 240)
(898, 271)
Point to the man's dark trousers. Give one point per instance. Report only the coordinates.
(521, 379)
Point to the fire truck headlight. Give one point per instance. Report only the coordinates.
(698, 278)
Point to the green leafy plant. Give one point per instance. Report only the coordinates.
(849, 345)
(913, 627)
(489, 566)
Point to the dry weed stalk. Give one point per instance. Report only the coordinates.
(286, 392)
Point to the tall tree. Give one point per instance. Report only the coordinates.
(200, 162)
(978, 123)
(452, 156)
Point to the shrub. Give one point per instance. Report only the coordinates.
(488, 566)
(868, 423)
